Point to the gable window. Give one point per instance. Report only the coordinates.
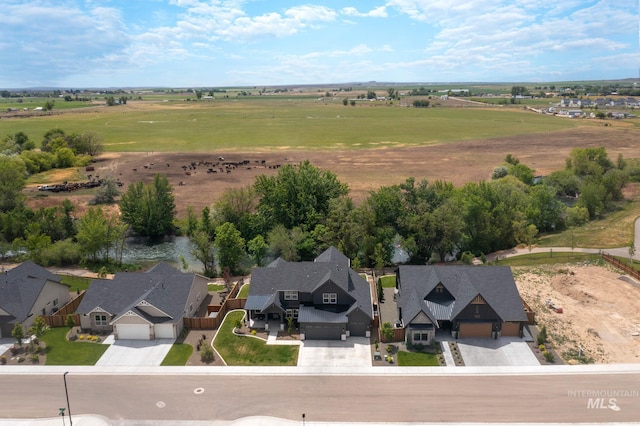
(330, 298)
(439, 288)
(101, 320)
(290, 295)
(55, 302)
(292, 313)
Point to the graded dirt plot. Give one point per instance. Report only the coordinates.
(363, 170)
(600, 309)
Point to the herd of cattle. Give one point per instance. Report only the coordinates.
(220, 166)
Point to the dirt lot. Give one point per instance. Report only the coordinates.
(600, 310)
(362, 170)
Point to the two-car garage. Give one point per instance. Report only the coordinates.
(319, 331)
(133, 331)
(475, 329)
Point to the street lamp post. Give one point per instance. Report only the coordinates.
(66, 392)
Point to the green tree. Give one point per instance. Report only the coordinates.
(18, 333)
(297, 196)
(12, 180)
(345, 101)
(257, 249)
(203, 251)
(230, 245)
(38, 328)
(93, 234)
(107, 192)
(282, 245)
(149, 209)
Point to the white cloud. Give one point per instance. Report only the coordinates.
(378, 12)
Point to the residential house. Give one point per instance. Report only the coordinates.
(143, 305)
(326, 298)
(466, 301)
(27, 291)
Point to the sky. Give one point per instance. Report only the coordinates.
(222, 43)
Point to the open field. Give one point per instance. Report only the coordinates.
(367, 146)
(235, 125)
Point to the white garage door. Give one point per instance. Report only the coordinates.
(133, 331)
(164, 331)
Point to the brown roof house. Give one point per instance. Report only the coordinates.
(326, 298)
(143, 305)
(27, 291)
(466, 301)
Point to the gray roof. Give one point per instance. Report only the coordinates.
(308, 314)
(162, 286)
(306, 277)
(494, 283)
(20, 288)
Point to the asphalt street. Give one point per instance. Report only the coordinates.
(548, 398)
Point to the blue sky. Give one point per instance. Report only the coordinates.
(209, 43)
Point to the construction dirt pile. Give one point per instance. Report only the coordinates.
(589, 311)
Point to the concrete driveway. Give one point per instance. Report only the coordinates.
(505, 351)
(354, 352)
(6, 343)
(135, 352)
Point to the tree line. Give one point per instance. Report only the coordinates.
(302, 210)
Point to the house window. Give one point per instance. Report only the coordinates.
(420, 336)
(290, 295)
(101, 320)
(439, 288)
(55, 302)
(292, 313)
(191, 308)
(329, 298)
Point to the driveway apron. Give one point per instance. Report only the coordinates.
(136, 352)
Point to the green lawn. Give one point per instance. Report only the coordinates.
(62, 352)
(216, 287)
(178, 355)
(244, 292)
(295, 123)
(75, 283)
(246, 350)
(615, 230)
(388, 281)
(549, 258)
(417, 359)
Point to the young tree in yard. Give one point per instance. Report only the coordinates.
(387, 331)
(230, 246)
(18, 333)
(149, 209)
(38, 327)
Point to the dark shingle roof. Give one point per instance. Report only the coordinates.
(494, 283)
(20, 288)
(162, 286)
(306, 277)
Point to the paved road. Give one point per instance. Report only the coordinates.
(373, 398)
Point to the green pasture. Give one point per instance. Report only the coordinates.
(614, 230)
(233, 124)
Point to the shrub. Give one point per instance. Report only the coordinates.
(542, 347)
(253, 332)
(548, 356)
(20, 359)
(206, 354)
(3, 360)
(81, 337)
(73, 338)
(35, 358)
(542, 336)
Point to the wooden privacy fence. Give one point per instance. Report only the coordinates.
(59, 318)
(621, 265)
(211, 323)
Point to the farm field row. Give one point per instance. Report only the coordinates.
(296, 125)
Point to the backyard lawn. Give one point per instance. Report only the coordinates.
(417, 359)
(247, 350)
(244, 292)
(62, 352)
(388, 281)
(75, 283)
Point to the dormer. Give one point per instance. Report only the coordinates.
(439, 294)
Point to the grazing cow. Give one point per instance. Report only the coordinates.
(135, 170)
